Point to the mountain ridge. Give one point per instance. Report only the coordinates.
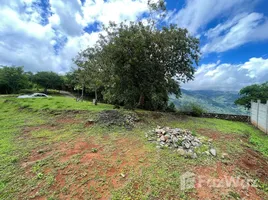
(213, 101)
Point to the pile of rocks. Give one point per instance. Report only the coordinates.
(185, 143)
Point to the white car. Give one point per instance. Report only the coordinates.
(34, 95)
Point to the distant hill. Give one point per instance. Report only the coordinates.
(211, 101)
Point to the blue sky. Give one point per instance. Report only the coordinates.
(46, 34)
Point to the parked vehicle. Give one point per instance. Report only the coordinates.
(34, 95)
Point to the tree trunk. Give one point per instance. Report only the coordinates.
(141, 100)
(82, 95)
(96, 97)
(45, 90)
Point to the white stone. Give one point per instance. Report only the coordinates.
(213, 152)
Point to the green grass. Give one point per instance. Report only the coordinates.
(257, 138)
(59, 103)
(158, 180)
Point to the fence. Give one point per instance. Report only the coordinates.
(259, 115)
(239, 118)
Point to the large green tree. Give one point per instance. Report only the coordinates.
(253, 92)
(140, 64)
(12, 79)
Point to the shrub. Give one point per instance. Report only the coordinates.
(171, 107)
(197, 110)
(193, 109)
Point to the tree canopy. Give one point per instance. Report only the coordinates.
(140, 64)
(12, 79)
(253, 92)
(47, 80)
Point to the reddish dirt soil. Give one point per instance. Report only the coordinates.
(40, 127)
(250, 162)
(89, 123)
(68, 120)
(214, 182)
(254, 164)
(88, 174)
(85, 174)
(215, 135)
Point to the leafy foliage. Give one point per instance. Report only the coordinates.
(48, 80)
(171, 107)
(253, 92)
(194, 109)
(89, 71)
(12, 79)
(15, 80)
(139, 64)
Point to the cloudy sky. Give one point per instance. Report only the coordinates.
(46, 34)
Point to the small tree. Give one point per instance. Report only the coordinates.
(252, 92)
(90, 70)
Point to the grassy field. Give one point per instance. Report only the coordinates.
(55, 149)
(58, 103)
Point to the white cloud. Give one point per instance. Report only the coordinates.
(241, 29)
(24, 41)
(198, 13)
(216, 76)
(113, 10)
(67, 11)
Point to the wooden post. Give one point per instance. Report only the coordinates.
(258, 107)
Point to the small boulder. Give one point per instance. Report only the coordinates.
(213, 152)
(187, 145)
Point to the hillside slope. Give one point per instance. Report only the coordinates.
(211, 101)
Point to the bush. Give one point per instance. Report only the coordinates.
(193, 109)
(171, 107)
(197, 110)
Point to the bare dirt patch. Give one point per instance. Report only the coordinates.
(29, 129)
(68, 120)
(215, 183)
(254, 164)
(218, 136)
(90, 169)
(249, 163)
(26, 132)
